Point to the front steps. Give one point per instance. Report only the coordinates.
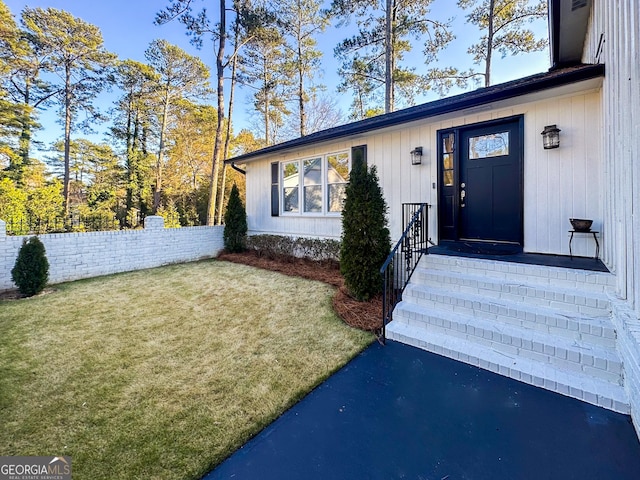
(546, 326)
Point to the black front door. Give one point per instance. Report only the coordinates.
(481, 197)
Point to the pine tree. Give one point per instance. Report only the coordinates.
(235, 223)
(76, 54)
(504, 23)
(373, 61)
(31, 270)
(365, 236)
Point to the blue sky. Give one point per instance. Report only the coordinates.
(127, 28)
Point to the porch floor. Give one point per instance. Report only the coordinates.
(579, 263)
(401, 412)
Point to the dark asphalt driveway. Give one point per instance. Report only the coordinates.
(397, 412)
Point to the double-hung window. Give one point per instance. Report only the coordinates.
(290, 186)
(314, 185)
(337, 179)
(312, 178)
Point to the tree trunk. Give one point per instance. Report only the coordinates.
(213, 187)
(267, 135)
(388, 54)
(25, 133)
(301, 106)
(234, 66)
(67, 139)
(265, 84)
(163, 126)
(131, 136)
(487, 66)
(144, 147)
(360, 103)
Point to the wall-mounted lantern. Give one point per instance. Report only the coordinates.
(416, 156)
(550, 137)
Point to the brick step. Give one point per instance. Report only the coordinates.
(570, 354)
(556, 276)
(552, 377)
(520, 291)
(595, 329)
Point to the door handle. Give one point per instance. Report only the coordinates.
(463, 194)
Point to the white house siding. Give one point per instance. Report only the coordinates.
(615, 27)
(558, 184)
(617, 23)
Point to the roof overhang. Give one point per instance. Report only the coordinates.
(458, 103)
(568, 24)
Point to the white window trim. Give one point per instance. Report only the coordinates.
(325, 186)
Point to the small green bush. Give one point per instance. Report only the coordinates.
(235, 223)
(319, 249)
(31, 270)
(366, 240)
(287, 248)
(273, 247)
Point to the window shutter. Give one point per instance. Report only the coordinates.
(359, 156)
(275, 189)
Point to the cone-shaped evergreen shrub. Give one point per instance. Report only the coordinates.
(31, 270)
(365, 236)
(235, 223)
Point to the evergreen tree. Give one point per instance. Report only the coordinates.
(504, 24)
(133, 129)
(235, 223)
(365, 236)
(24, 59)
(76, 54)
(301, 21)
(31, 270)
(264, 66)
(180, 76)
(10, 111)
(373, 62)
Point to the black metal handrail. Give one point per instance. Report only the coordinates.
(403, 259)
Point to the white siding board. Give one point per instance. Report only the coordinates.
(532, 168)
(581, 172)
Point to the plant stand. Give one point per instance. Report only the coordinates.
(595, 239)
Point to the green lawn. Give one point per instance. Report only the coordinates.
(162, 373)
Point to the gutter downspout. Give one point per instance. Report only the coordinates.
(553, 9)
(238, 169)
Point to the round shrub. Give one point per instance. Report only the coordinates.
(31, 270)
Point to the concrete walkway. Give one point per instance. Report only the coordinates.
(397, 412)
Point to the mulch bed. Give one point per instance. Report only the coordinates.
(362, 315)
(14, 294)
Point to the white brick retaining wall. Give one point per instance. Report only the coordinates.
(627, 324)
(73, 256)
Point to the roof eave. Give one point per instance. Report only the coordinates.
(568, 26)
(476, 98)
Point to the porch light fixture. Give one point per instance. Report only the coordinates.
(550, 137)
(416, 156)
